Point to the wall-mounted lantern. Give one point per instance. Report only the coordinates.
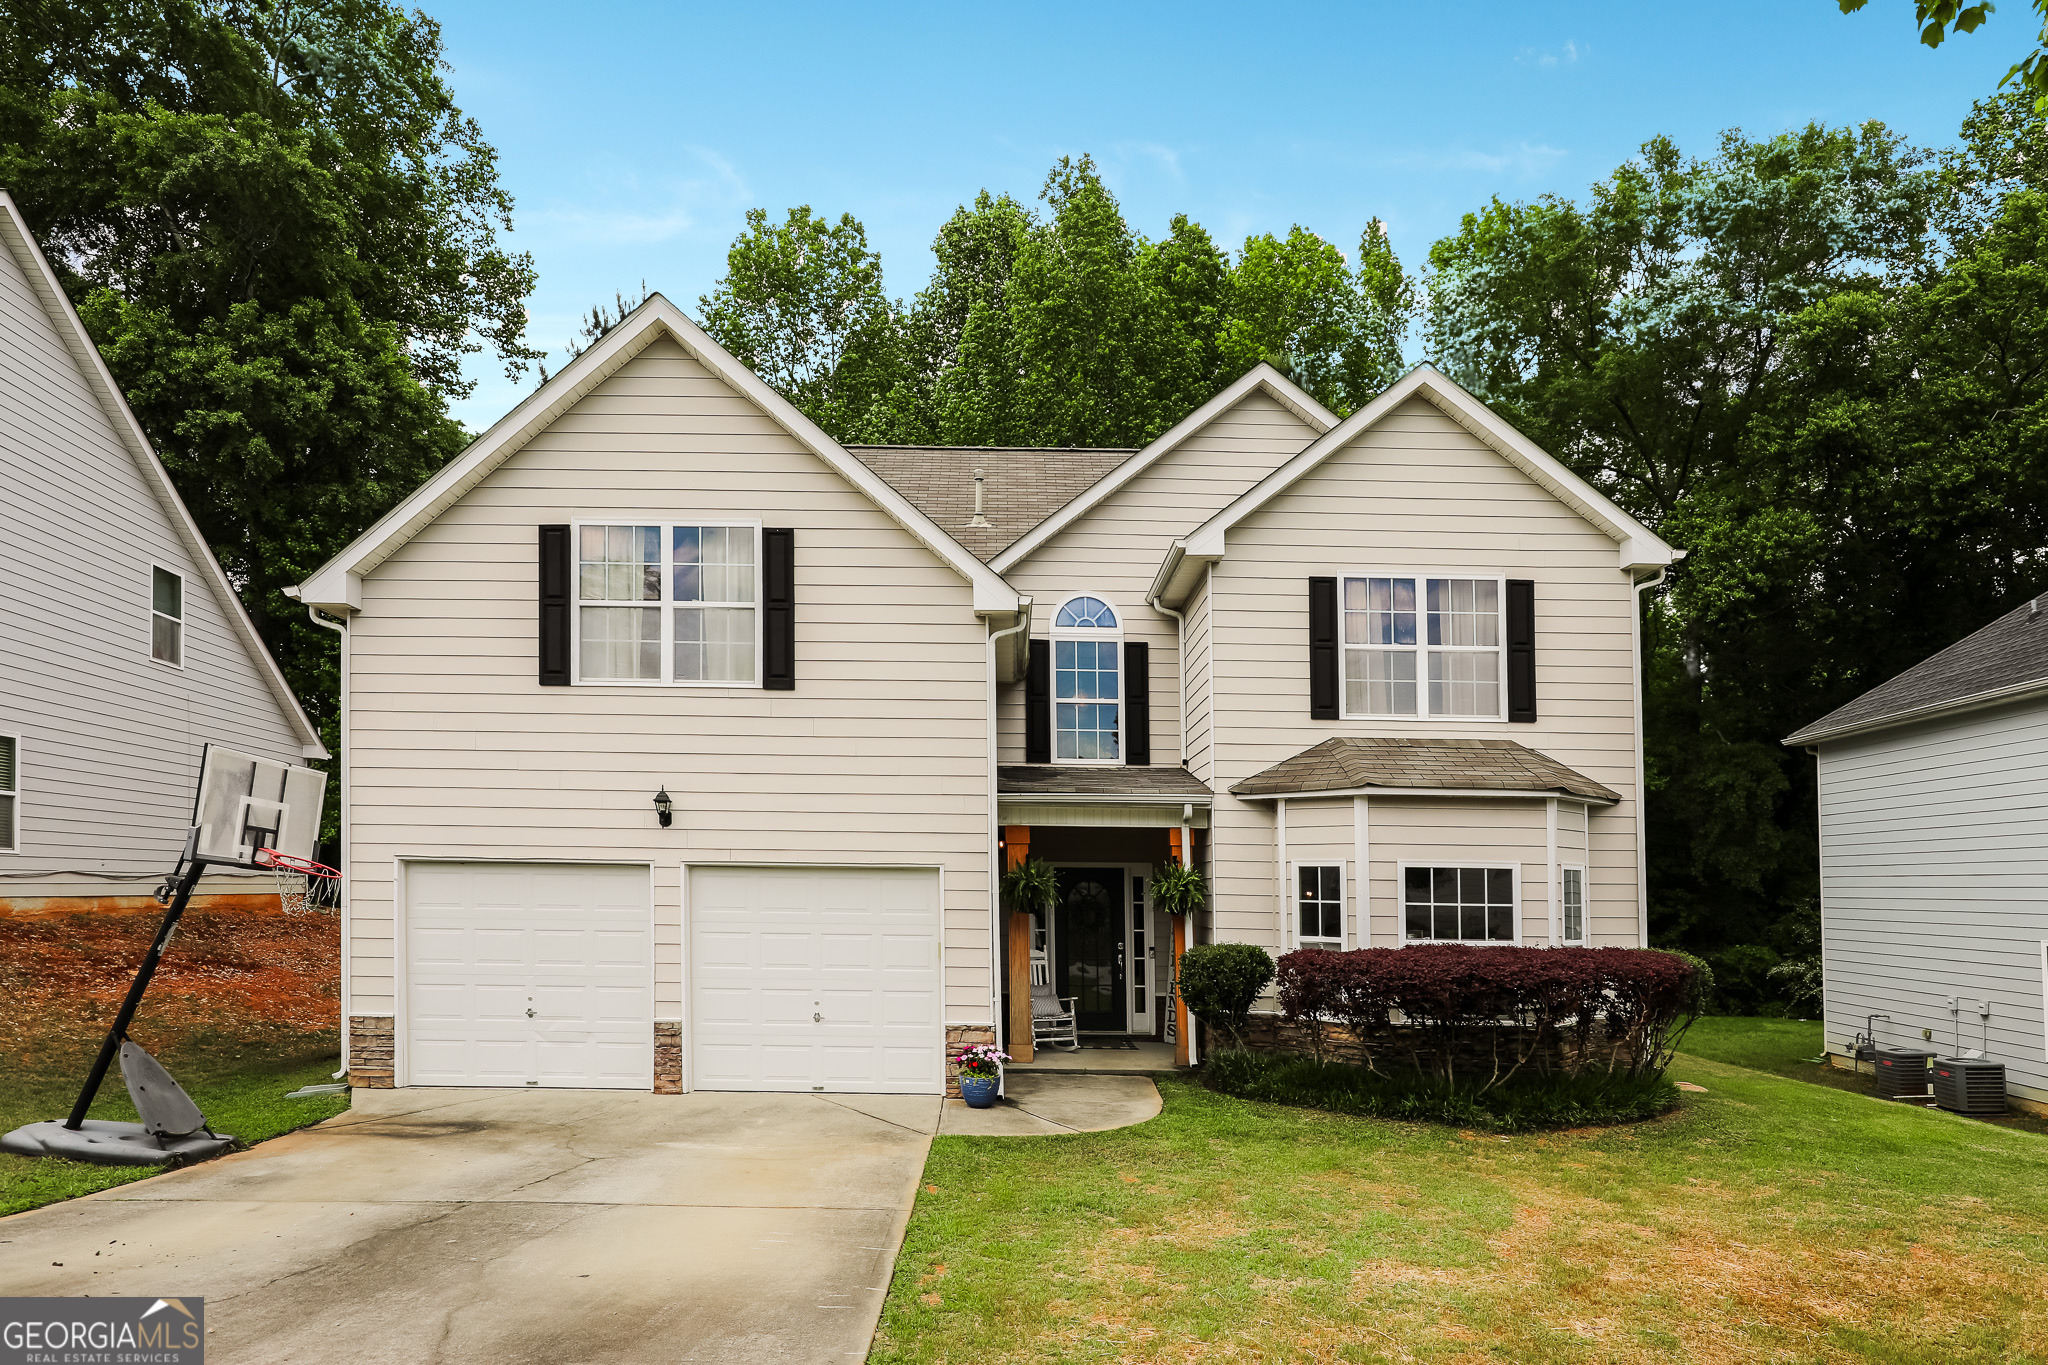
(664, 809)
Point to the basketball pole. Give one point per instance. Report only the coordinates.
(186, 883)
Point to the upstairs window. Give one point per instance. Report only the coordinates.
(1087, 673)
(166, 617)
(669, 603)
(1421, 646)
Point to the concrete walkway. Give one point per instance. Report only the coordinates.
(552, 1227)
(1039, 1105)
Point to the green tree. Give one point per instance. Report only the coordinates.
(1938, 19)
(283, 235)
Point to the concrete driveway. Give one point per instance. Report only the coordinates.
(553, 1226)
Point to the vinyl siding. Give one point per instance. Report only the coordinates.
(880, 755)
(110, 739)
(1114, 551)
(1934, 852)
(1419, 491)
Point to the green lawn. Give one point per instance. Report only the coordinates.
(1767, 1220)
(1780, 1046)
(239, 1083)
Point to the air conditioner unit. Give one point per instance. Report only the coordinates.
(1970, 1086)
(1901, 1072)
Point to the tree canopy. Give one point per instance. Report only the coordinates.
(285, 238)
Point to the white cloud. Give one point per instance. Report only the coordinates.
(1567, 55)
(626, 204)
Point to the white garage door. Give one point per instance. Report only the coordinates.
(815, 978)
(528, 974)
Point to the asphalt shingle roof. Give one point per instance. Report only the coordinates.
(1021, 487)
(1451, 764)
(1050, 779)
(2010, 652)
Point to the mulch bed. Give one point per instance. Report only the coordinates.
(228, 973)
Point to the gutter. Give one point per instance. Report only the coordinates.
(1180, 658)
(995, 833)
(1635, 638)
(340, 628)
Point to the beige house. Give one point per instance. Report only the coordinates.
(685, 748)
(123, 648)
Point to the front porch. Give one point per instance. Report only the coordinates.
(1104, 956)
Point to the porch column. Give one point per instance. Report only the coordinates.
(1183, 1026)
(1017, 955)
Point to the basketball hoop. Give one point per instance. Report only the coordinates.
(295, 877)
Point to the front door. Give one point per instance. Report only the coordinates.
(1089, 937)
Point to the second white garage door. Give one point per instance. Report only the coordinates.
(815, 978)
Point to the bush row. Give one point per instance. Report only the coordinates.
(1485, 1015)
(1522, 1105)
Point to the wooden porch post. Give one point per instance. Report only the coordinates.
(1017, 957)
(1182, 1024)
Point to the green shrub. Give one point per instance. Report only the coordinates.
(1220, 981)
(1522, 1105)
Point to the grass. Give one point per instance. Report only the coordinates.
(1783, 1047)
(240, 1084)
(1765, 1220)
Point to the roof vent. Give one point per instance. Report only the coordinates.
(979, 519)
(2033, 608)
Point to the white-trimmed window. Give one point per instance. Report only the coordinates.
(669, 602)
(10, 794)
(166, 616)
(1572, 904)
(1458, 904)
(1424, 646)
(1319, 905)
(1087, 682)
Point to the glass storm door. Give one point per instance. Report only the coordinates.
(1089, 931)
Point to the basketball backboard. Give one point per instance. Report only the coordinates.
(247, 803)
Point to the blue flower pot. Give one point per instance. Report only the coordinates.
(979, 1091)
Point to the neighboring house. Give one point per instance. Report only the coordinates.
(1377, 675)
(1933, 793)
(123, 648)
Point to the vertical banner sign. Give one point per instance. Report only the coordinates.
(102, 1331)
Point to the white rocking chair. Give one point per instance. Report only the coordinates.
(1052, 1016)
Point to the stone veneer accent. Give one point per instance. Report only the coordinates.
(668, 1057)
(370, 1051)
(957, 1037)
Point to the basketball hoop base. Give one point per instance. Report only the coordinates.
(103, 1142)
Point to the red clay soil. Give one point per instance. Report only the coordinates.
(229, 971)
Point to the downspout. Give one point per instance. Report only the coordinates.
(1635, 635)
(1180, 656)
(340, 628)
(995, 821)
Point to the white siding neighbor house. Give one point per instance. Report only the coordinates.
(1934, 854)
(684, 747)
(123, 649)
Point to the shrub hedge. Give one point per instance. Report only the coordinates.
(1483, 1016)
(1221, 981)
(1519, 1106)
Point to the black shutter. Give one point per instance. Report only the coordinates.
(1322, 649)
(778, 609)
(1521, 649)
(1138, 703)
(554, 606)
(1038, 704)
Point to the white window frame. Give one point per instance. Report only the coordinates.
(1421, 648)
(13, 831)
(183, 613)
(1401, 902)
(666, 606)
(1089, 633)
(1343, 904)
(1585, 907)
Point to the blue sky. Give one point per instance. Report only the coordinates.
(636, 136)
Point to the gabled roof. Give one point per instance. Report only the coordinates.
(1022, 485)
(2005, 661)
(337, 585)
(1261, 376)
(1637, 547)
(21, 243)
(1350, 766)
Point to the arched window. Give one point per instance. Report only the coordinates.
(1087, 674)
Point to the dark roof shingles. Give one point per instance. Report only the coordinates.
(1346, 764)
(1021, 486)
(1050, 779)
(2010, 652)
